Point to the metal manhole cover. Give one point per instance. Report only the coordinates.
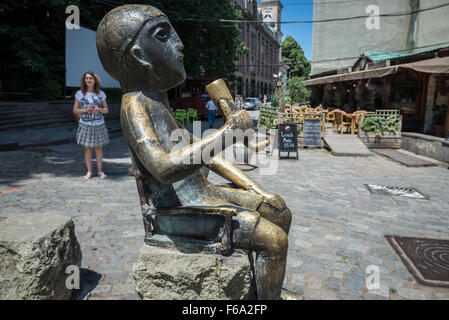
(397, 191)
(426, 259)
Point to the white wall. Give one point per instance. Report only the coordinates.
(81, 56)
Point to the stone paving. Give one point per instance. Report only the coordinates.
(337, 231)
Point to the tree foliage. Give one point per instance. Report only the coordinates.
(32, 41)
(296, 91)
(210, 47)
(293, 56)
(32, 44)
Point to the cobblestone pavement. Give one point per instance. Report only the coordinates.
(337, 231)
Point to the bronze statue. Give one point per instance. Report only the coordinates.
(138, 46)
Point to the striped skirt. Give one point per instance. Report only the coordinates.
(92, 136)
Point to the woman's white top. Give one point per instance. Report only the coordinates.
(91, 98)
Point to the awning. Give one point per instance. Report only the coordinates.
(435, 65)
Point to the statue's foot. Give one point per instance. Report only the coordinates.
(290, 295)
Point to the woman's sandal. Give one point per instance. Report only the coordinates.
(88, 175)
(102, 175)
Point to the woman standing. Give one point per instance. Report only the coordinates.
(90, 104)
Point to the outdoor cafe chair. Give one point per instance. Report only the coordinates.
(357, 115)
(182, 116)
(288, 114)
(302, 108)
(193, 114)
(342, 119)
(330, 117)
(298, 117)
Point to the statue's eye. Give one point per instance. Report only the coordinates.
(162, 33)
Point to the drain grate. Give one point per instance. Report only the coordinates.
(426, 259)
(396, 191)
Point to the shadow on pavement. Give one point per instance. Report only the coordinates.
(88, 281)
(61, 161)
(67, 160)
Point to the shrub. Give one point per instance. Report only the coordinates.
(379, 125)
(49, 89)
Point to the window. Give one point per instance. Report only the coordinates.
(405, 92)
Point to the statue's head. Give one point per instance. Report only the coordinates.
(137, 44)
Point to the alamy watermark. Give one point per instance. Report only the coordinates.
(73, 20)
(372, 281)
(373, 21)
(73, 280)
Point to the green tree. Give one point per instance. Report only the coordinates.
(32, 44)
(299, 69)
(32, 39)
(293, 56)
(296, 91)
(210, 47)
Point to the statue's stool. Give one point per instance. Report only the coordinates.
(169, 273)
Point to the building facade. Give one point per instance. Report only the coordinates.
(338, 44)
(396, 62)
(258, 66)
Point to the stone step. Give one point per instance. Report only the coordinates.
(4, 109)
(30, 119)
(25, 109)
(34, 115)
(36, 124)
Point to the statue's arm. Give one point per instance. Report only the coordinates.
(227, 170)
(166, 167)
(231, 172)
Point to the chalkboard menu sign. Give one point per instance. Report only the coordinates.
(288, 139)
(312, 132)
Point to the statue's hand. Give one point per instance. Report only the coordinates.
(239, 120)
(275, 201)
(272, 199)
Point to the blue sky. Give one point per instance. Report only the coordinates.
(302, 32)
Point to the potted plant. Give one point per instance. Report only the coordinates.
(381, 131)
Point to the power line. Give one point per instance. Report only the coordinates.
(199, 18)
(113, 3)
(316, 3)
(322, 3)
(399, 14)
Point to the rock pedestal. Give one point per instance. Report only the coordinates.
(161, 273)
(35, 250)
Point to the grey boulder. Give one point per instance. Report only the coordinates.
(35, 250)
(161, 273)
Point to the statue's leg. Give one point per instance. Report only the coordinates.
(250, 200)
(270, 242)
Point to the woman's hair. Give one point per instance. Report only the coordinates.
(96, 85)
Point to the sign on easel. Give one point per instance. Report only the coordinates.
(288, 139)
(312, 132)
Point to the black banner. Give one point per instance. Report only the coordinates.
(288, 139)
(312, 133)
